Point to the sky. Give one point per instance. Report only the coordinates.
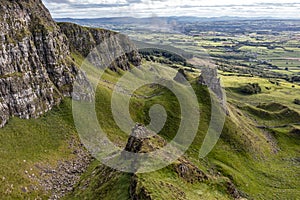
(153, 8)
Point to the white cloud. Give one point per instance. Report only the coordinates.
(147, 8)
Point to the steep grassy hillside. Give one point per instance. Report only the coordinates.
(262, 163)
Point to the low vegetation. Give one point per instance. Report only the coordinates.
(251, 88)
(297, 101)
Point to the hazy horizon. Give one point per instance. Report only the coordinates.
(145, 17)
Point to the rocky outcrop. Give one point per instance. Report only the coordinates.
(189, 172)
(102, 181)
(36, 69)
(84, 39)
(143, 140)
(181, 76)
(209, 78)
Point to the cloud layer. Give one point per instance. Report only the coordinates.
(149, 8)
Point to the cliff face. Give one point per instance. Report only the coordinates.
(36, 70)
(83, 40)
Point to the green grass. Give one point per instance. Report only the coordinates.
(283, 93)
(101, 182)
(27, 143)
(165, 184)
(269, 175)
(244, 153)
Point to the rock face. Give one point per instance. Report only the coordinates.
(36, 70)
(83, 40)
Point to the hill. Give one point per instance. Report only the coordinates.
(42, 156)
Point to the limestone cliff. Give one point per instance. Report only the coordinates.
(36, 70)
(84, 39)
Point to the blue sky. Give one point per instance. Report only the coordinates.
(150, 8)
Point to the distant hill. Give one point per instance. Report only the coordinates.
(132, 20)
(189, 25)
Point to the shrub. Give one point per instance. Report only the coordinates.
(297, 101)
(251, 88)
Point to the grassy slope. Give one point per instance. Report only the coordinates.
(26, 143)
(243, 153)
(273, 175)
(101, 182)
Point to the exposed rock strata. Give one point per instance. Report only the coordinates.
(36, 69)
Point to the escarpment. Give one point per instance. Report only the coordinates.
(36, 69)
(83, 40)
